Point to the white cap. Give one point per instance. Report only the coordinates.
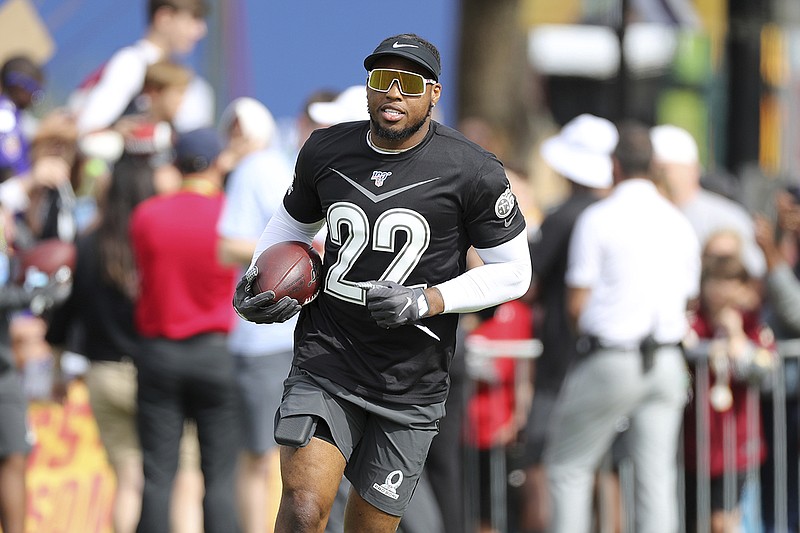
(350, 105)
(672, 144)
(255, 120)
(581, 152)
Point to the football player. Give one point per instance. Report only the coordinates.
(404, 198)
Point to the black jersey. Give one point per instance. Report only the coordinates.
(408, 218)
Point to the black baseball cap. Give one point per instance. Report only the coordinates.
(409, 47)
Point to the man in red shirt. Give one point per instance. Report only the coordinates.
(183, 312)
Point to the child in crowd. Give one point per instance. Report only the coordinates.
(731, 354)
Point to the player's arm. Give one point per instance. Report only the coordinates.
(284, 227)
(505, 275)
(262, 308)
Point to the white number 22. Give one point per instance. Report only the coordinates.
(390, 222)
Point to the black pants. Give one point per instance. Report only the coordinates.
(191, 378)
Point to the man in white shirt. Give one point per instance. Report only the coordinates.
(174, 28)
(633, 266)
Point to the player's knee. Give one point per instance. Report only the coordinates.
(307, 509)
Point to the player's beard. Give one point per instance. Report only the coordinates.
(405, 133)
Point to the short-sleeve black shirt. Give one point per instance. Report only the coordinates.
(408, 218)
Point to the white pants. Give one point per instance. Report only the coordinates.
(601, 390)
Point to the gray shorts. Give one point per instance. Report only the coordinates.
(15, 436)
(259, 381)
(385, 444)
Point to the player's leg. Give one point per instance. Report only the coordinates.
(423, 514)
(386, 466)
(336, 517)
(310, 476)
(364, 517)
(312, 467)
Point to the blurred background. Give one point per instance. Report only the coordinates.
(514, 72)
(726, 70)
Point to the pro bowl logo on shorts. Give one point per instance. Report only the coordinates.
(505, 204)
(389, 487)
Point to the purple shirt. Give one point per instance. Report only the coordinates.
(14, 148)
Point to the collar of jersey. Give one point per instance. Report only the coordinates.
(386, 151)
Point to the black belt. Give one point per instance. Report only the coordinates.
(589, 344)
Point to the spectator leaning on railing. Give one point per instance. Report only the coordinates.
(783, 305)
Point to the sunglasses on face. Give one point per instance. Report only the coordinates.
(409, 83)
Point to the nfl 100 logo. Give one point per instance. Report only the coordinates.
(379, 177)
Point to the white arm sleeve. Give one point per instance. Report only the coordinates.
(505, 275)
(283, 227)
(120, 82)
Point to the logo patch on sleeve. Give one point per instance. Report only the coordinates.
(505, 204)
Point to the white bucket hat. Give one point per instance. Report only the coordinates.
(581, 151)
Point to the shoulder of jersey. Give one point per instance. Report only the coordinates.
(452, 135)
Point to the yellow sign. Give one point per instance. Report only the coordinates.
(70, 484)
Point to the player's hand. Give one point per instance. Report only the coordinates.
(392, 305)
(261, 308)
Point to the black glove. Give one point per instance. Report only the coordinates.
(260, 308)
(393, 305)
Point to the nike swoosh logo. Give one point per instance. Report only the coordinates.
(507, 222)
(400, 45)
(408, 302)
(375, 198)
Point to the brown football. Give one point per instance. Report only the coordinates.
(292, 269)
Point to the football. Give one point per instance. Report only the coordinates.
(290, 269)
(45, 258)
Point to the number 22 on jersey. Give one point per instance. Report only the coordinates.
(351, 247)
